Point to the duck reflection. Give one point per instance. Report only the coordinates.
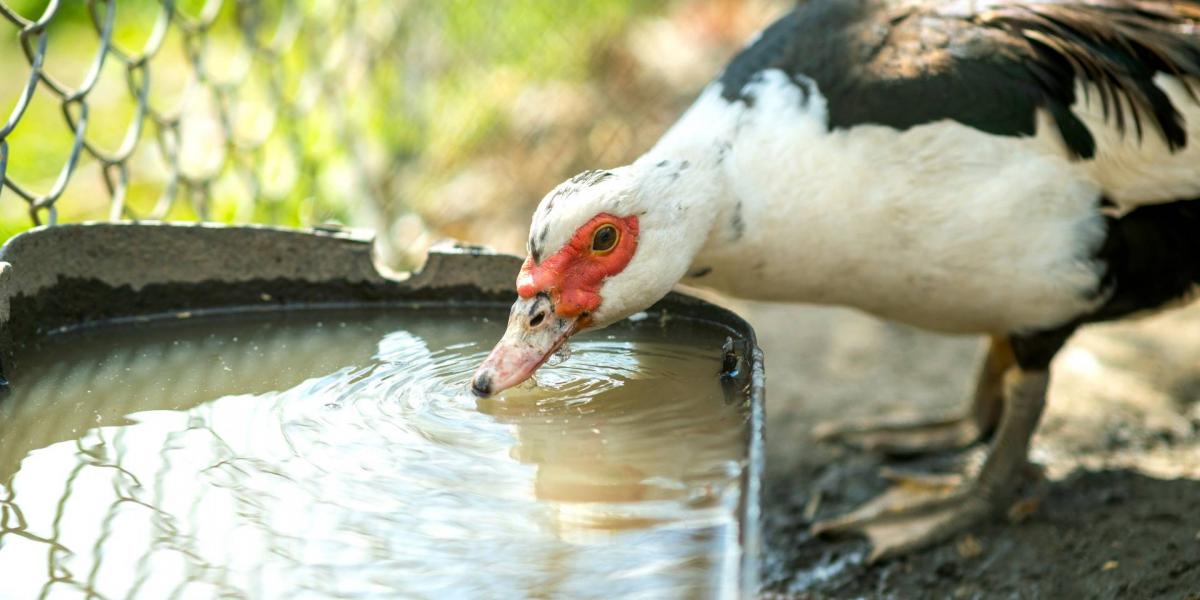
(631, 443)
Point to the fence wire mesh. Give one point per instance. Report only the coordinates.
(165, 123)
(419, 119)
(184, 102)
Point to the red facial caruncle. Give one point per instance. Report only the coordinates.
(572, 277)
(559, 295)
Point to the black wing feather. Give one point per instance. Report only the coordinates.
(905, 64)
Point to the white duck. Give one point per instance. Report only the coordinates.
(1013, 169)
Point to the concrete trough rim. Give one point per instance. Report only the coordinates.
(66, 277)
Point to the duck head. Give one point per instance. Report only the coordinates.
(603, 245)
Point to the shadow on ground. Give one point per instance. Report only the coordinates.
(1119, 514)
(1097, 534)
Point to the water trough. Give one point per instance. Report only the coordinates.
(69, 290)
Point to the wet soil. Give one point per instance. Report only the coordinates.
(1117, 516)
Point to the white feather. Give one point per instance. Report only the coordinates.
(940, 226)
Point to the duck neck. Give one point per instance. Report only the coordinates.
(685, 175)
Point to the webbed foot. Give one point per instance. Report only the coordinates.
(921, 510)
(908, 437)
(911, 515)
(902, 438)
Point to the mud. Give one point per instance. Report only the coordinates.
(1118, 515)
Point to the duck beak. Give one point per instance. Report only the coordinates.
(535, 332)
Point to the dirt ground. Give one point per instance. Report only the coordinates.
(1119, 515)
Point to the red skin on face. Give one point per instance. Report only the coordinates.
(572, 276)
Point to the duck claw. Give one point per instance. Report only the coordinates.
(910, 516)
(902, 438)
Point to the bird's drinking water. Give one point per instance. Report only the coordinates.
(338, 453)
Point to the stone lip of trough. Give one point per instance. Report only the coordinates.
(64, 277)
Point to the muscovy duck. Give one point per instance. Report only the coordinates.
(1015, 169)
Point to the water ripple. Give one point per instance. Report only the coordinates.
(616, 474)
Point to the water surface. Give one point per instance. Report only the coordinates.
(322, 453)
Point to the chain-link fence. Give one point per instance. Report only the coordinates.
(419, 119)
(240, 112)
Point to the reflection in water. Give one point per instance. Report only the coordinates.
(337, 454)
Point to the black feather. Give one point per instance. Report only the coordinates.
(906, 64)
(1151, 257)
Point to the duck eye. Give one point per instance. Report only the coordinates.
(605, 239)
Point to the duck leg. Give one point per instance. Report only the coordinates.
(919, 512)
(894, 437)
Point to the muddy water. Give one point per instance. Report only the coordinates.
(337, 454)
